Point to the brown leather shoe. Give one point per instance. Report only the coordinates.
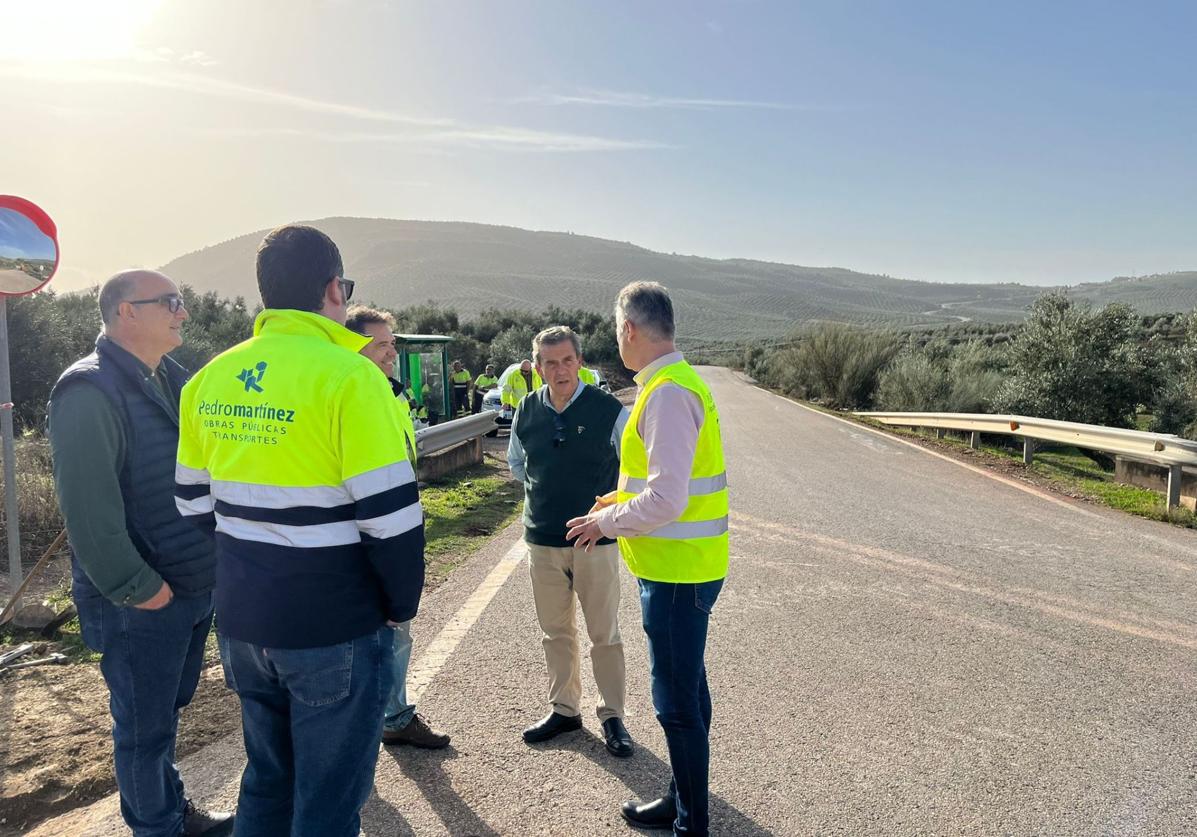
(417, 733)
(208, 823)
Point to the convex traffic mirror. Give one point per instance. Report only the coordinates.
(28, 247)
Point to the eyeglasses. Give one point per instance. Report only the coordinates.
(559, 434)
(346, 287)
(173, 302)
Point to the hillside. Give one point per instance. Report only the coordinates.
(470, 267)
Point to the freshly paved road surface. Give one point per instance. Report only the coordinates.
(903, 646)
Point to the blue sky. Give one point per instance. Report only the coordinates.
(1043, 143)
(21, 239)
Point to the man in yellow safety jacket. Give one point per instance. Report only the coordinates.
(292, 452)
(517, 382)
(670, 516)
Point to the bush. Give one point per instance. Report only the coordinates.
(914, 382)
(1073, 364)
(839, 365)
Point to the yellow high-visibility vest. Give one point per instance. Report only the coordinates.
(693, 548)
(588, 376)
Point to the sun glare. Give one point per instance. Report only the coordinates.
(72, 30)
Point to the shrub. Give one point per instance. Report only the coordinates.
(840, 365)
(1073, 364)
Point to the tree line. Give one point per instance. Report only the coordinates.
(50, 331)
(1068, 361)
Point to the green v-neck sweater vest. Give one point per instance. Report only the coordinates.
(569, 460)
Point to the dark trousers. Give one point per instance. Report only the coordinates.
(461, 399)
(312, 719)
(151, 663)
(478, 396)
(675, 620)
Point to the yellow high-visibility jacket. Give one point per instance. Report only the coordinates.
(291, 447)
(515, 387)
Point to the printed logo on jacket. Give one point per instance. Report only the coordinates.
(246, 419)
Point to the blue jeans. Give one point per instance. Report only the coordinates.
(312, 718)
(675, 621)
(399, 712)
(151, 663)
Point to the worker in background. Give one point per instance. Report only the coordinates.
(518, 382)
(483, 384)
(459, 377)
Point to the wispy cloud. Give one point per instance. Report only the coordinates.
(166, 55)
(495, 138)
(417, 129)
(617, 99)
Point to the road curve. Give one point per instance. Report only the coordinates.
(903, 646)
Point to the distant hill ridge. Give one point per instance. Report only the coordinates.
(470, 267)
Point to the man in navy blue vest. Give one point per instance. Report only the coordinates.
(143, 576)
(565, 449)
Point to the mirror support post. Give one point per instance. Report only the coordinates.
(11, 510)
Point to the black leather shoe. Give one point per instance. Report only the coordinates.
(550, 726)
(619, 742)
(207, 823)
(660, 813)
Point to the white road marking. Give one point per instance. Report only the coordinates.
(421, 673)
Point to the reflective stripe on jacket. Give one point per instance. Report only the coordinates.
(693, 548)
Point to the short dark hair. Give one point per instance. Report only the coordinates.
(554, 335)
(647, 305)
(113, 292)
(360, 316)
(295, 264)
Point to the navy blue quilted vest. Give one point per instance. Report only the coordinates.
(178, 551)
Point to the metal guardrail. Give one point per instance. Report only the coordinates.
(1163, 449)
(442, 436)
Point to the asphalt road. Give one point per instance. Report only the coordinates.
(903, 646)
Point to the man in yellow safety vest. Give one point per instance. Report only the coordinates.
(483, 384)
(459, 377)
(670, 516)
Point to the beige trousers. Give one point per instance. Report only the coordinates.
(558, 574)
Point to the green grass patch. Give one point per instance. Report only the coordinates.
(462, 512)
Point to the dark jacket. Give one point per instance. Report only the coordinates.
(179, 552)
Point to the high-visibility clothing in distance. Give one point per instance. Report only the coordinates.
(515, 387)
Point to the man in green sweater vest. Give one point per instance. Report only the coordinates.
(565, 448)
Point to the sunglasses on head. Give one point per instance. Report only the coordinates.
(173, 302)
(346, 287)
